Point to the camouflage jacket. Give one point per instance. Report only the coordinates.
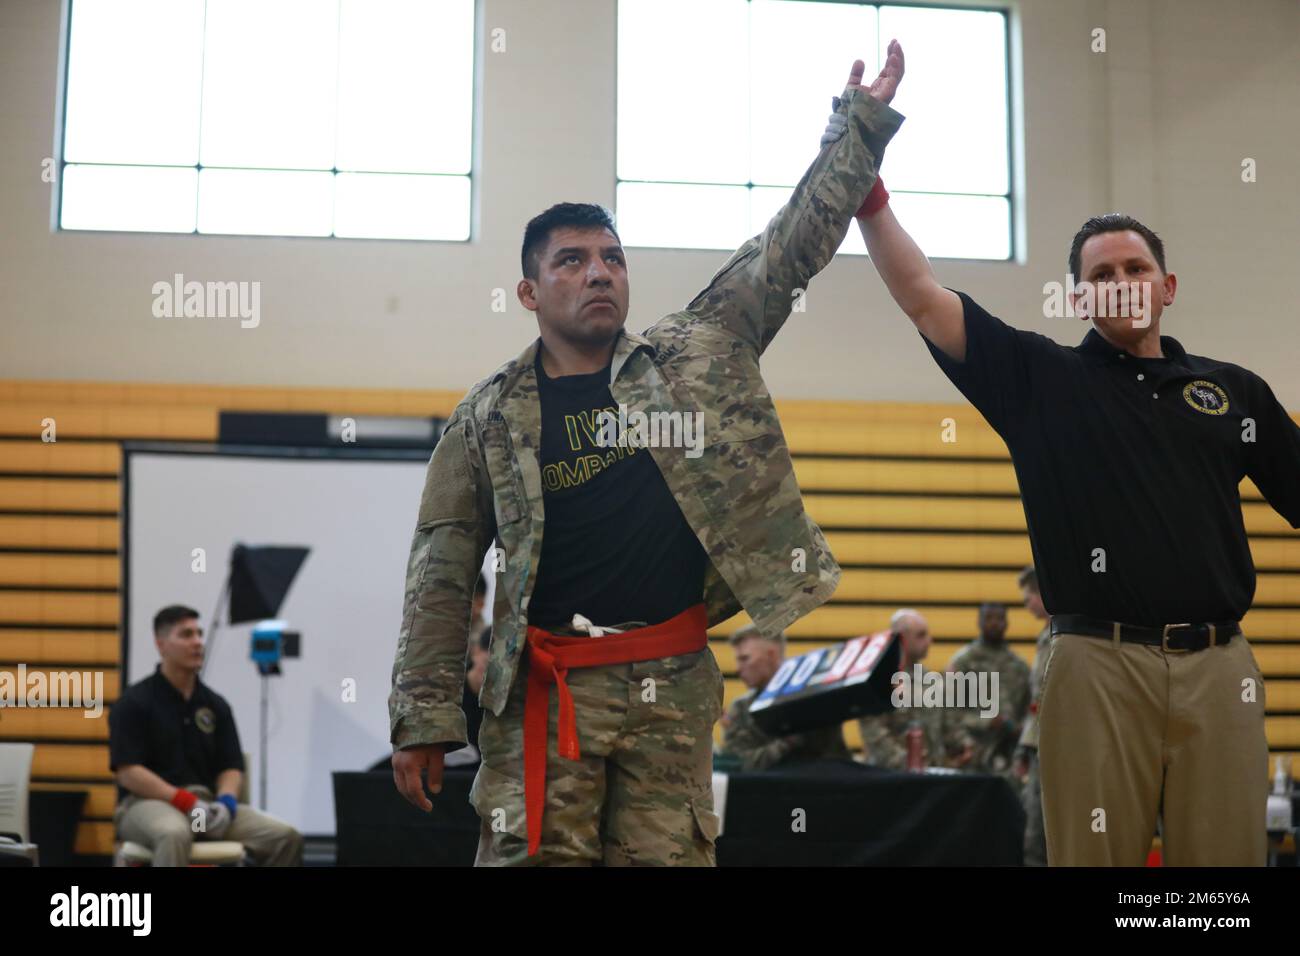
(995, 739)
(483, 487)
(884, 736)
(744, 739)
(1029, 737)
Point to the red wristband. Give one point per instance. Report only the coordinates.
(184, 801)
(875, 200)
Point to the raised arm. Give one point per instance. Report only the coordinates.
(936, 311)
(1273, 459)
(753, 293)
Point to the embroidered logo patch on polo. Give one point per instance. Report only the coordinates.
(1206, 397)
(205, 720)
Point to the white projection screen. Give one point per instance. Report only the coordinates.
(356, 515)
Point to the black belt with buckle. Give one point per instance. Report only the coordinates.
(1171, 637)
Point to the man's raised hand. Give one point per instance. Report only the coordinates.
(885, 85)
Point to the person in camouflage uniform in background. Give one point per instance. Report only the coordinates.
(884, 736)
(629, 780)
(1026, 765)
(995, 736)
(757, 658)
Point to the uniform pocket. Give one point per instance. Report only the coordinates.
(1053, 653)
(448, 483)
(718, 377)
(719, 680)
(707, 823)
(499, 801)
(507, 491)
(1250, 655)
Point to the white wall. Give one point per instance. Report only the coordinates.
(346, 601)
(1157, 127)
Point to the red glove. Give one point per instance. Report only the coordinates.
(184, 801)
(875, 200)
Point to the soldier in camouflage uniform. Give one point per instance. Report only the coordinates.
(884, 736)
(995, 736)
(634, 786)
(1027, 754)
(757, 659)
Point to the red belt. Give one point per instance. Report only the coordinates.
(550, 659)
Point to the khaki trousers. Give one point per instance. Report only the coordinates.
(166, 831)
(1129, 732)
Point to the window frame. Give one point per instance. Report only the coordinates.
(1011, 196)
(61, 163)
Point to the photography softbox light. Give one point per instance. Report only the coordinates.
(259, 580)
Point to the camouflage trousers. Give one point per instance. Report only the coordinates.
(641, 794)
(1031, 797)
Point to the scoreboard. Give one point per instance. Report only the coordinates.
(829, 686)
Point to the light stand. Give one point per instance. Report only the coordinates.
(270, 643)
(256, 585)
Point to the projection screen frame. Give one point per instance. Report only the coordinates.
(223, 451)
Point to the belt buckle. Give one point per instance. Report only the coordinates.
(1164, 639)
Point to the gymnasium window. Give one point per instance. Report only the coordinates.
(348, 118)
(721, 106)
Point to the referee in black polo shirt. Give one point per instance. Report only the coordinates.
(1128, 452)
(174, 750)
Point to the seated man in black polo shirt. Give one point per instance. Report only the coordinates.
(175, 751)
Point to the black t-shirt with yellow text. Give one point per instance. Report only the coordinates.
(615, 546)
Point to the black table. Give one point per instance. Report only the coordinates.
(854, 816)
(375, 826)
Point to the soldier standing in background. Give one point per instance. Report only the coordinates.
(884, 736)
(995, 736)
(1027, 755)
(665, 540)
(757, 658)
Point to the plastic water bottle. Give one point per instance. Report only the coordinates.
(915, 747)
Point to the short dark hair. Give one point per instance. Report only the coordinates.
(576, 215)
(1112, 222)
(1028, 578)
(992, 606)
(171, 614)
(750, 632)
